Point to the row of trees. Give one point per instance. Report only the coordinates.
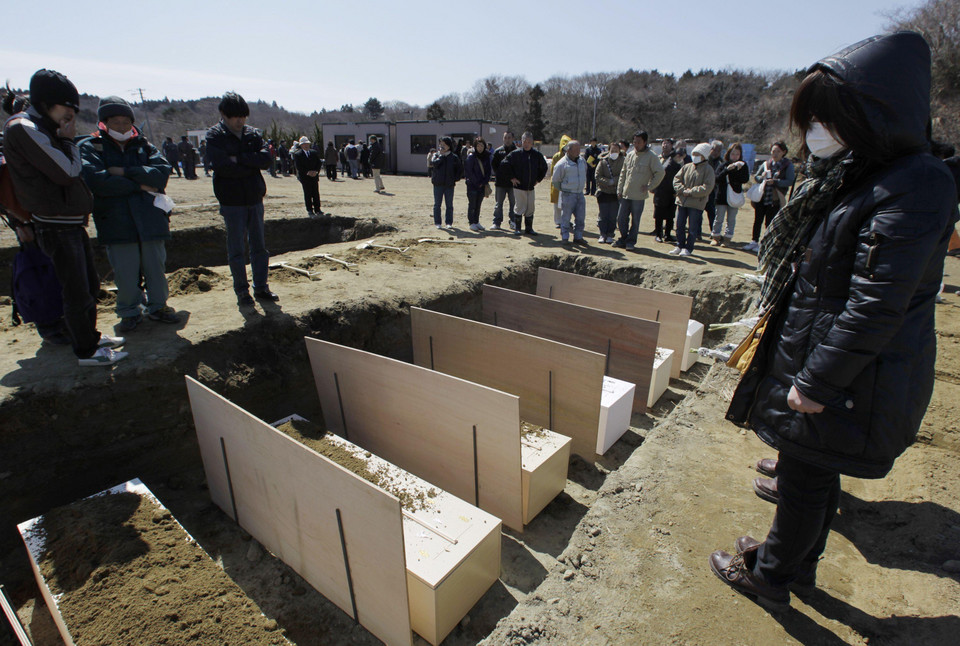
(731, 105)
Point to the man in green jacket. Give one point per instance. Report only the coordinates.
(641, 174)
(126, 173)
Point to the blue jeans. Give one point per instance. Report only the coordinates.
(245, 224)
(629, 227)
(576, 205)
(132, 260)
(68, 247)
(500, 193)
(440, 194)
(354, 166)
(728, 212)
(688, 226)
(608, 217)
(809, 497)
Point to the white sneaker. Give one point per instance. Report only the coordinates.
(448, 227)
(103, 357)
(474, 227)
(107, 341)
(685, 252)
(480, 227)
(751, 246)
(438, 226)
(659, 239)
(674, 252)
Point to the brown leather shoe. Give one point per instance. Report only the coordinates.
(806, 582)
(766, 489)
(767, 467)
(735, 571)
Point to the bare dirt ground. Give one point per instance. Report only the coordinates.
(619, 558)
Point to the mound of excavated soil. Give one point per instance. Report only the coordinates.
(127, 574)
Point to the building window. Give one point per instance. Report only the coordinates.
(340, 140)
(421, 144)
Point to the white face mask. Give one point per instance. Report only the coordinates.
(614, 156)
(821, 141)
(121, 137)
(697, 158)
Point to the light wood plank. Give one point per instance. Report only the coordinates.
(672, 311)
(287, 496)
(559, 386)
(423, 421)
(629, 343)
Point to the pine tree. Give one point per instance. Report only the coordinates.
(373, 108)
(534, 115)
(434, 112)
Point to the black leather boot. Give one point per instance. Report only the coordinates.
(528, 220)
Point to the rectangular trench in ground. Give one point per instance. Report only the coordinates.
(207, 246)
(60, 447)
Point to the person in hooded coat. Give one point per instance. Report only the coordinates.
(844, 371)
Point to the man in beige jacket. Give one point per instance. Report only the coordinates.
(641, 174)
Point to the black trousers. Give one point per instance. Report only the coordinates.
(68, 247)
(591, 180)
(332, 172)
(311, 193)
(809, 498)
(663, 215)
(762, 215)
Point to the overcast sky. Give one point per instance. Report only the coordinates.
(308, 55)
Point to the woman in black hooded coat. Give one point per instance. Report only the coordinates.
(844, 372)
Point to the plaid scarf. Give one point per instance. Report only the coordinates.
(812, 200)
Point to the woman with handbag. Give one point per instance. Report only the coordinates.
(477, 171)
(776, 175)
(607, 175)
(732, 174)
(843, 372)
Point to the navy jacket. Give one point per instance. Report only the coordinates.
(122, 211)
(856, 329)
(528, 166)
(236, 163)
(447, 170)
(498, 156)
(377, 157)
(477, 171)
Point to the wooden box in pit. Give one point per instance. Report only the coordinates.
(391, 569)
(628, 343)
(672, 311)
(559, 386)
(460, 436)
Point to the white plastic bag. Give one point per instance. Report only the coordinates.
(755, 192)
(162, 201)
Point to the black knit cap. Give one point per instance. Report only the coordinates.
(233, 105)
(114, 106)
(49, 88)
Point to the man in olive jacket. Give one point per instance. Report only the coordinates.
(238, 154)
(125, 172)
(378, 160)
(641, 174)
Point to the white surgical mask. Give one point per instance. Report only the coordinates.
(121, 137)
(614, 156)
(697, 158)
(821, 141)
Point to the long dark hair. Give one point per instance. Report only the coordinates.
(736, 145)
(824, 97)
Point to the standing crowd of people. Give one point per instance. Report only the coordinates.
(711, 180)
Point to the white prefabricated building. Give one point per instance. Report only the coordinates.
(341, 133)
(414, 139)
